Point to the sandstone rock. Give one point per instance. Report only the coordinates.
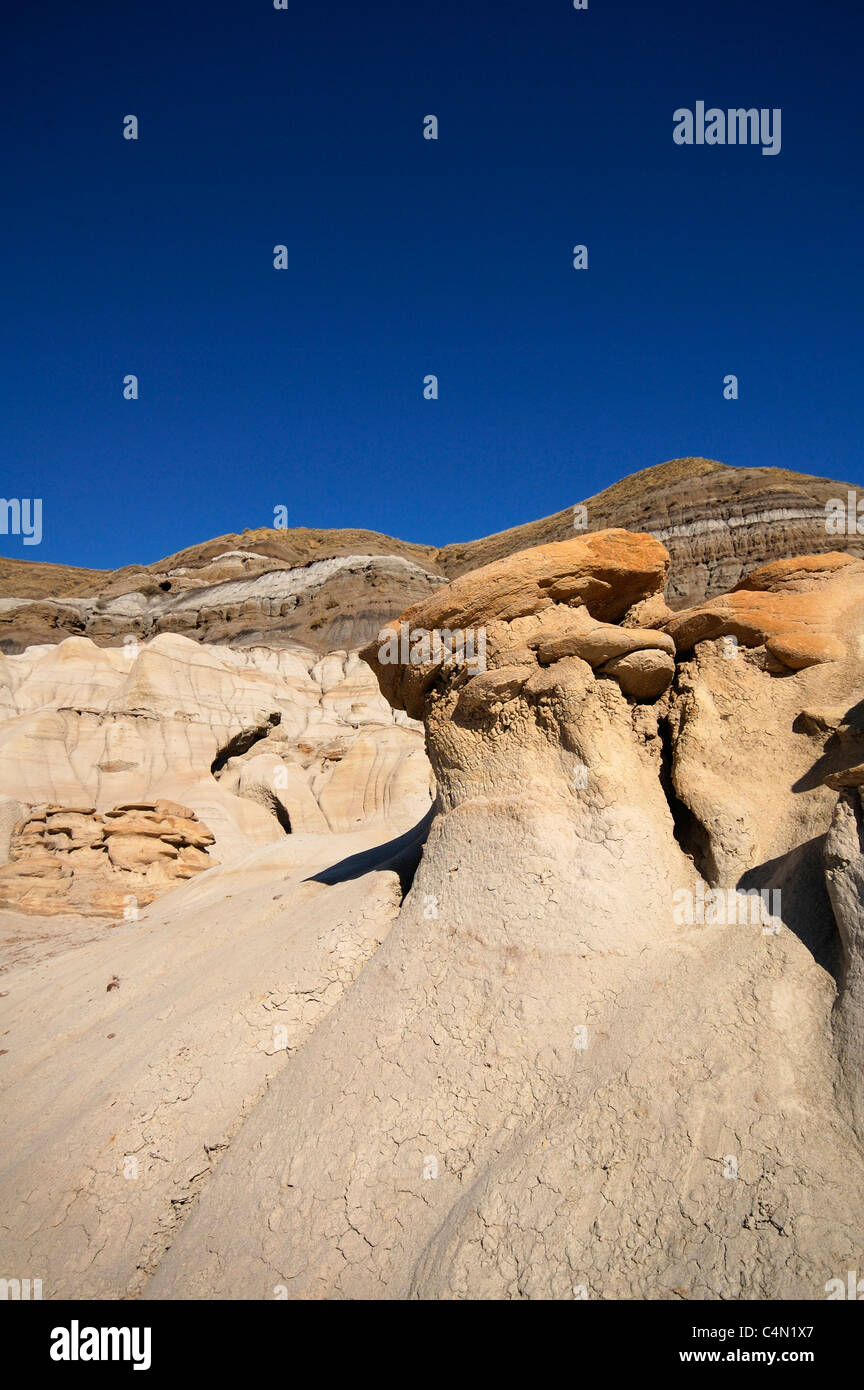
(542, 1050)
(491, 1090)
(717, 523)
(598, 643)
(172, 727)
(651, 612)
(801, 609)
(605, 573)
(10, 815)
(281, 787)
(848, 777)
(643, 674)
(490, 690)
(75, 861)
(336, 589)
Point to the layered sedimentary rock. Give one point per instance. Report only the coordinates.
(71, 859)
(580, 1065)
(334, 589)
(256, 743)
(552, 601)
(716, 522)
(606, 1045)
(245, 601)
(134, 1047)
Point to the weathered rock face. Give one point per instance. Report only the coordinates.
(577, 1012)
(71, 859)
(244, 601)
(581, 1058)
(844, 873)
(335, 589)
(10, 814)
(717, 522)
(540, 604)
(798, 609)
(133, 1050)
(257, 743)
(130, 1063)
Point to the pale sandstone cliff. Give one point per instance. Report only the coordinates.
(256, 742)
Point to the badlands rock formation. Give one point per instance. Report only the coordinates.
(603, 1040)
(334, 589)
(128, 1082)
(242, 598)
(255, 742)
(716, 522)
(130, 1061)
(71, 859)
(581, 1064)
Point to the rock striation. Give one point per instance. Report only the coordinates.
(582, 1064)
(257, 743)
(335, 589)
(716, 522)
(71, 859)
(601, 1038)
(244, 601)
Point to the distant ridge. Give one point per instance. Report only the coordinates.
(717, 522)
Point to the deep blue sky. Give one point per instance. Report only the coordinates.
(304, 387)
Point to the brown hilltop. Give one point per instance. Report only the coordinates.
(337, 588)
(717, 522)
(35, 578)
